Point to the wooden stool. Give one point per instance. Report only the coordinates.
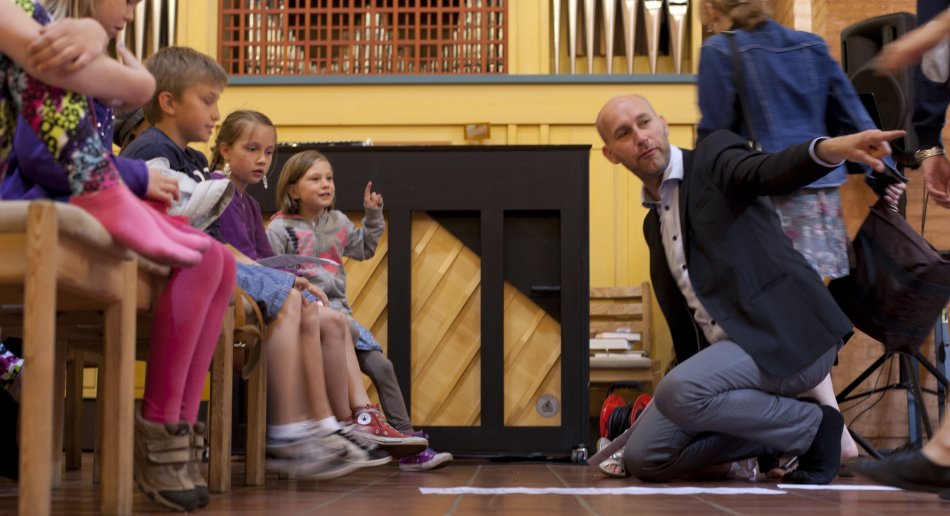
(55, 257)
(85, 332)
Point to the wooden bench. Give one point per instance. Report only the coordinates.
(151, 280)
(68, 289)
(56, 258)
(85, 329)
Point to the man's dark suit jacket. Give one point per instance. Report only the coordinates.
(741, 265)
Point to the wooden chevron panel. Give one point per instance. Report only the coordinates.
(446, 327)
(367, 292)
(446, 332)
(532, 360)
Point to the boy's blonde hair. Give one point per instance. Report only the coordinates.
(176, 69)
(294, 170)
(234, 126)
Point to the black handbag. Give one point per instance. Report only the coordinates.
(899, 285)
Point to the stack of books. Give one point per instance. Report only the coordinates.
(617, 349)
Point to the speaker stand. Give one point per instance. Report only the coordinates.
(942, 350)
(908, 381)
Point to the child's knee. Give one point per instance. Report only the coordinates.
(292, 305)
(383, 365)
(310, 314)
(380, 365)
(293, 296)
(334, 322)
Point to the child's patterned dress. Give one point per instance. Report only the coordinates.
(31, 110)
(10, 366)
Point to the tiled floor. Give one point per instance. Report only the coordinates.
(385, 491)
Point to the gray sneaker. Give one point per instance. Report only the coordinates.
(306, 457)
(359, 451)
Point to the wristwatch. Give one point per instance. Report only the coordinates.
(923, 154)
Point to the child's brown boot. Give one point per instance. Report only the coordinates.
(194, 465)
(162, 453)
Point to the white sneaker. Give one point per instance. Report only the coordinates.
(359, 451)
(307, 456)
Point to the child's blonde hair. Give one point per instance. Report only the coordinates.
(59, 9)
(745, 14)
(235, 126)
(294, 169)
(176, 69)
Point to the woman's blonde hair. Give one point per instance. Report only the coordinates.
(294, 170)
(745, 14)
(233, 128)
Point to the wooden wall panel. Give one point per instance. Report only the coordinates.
(446, 364)
(446, 328)
(367, 291)
(367, 282)
(783, 11)
(532, 360)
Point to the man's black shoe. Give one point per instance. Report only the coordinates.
(907, 470)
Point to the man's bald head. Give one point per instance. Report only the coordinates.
(635, 136)
(617, 104)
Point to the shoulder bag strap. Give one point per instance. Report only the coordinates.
(740, 90)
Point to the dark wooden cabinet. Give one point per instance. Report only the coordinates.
(521, 212)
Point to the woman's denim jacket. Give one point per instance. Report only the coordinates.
(795, 90)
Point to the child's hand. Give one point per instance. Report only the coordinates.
(67, 45)
(303, 285)
(371, 199)
(161, 187)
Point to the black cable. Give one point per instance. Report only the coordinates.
(619, 421)
(889, 367)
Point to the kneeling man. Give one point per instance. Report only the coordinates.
(752, 324)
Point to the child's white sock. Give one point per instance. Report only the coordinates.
(290, 430)
(327, 426)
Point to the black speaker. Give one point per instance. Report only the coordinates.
(893, 95)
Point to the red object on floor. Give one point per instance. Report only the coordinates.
(638, 405)
(613, 401)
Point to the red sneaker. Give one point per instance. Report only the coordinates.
(371, 424)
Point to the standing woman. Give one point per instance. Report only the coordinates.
(794, 91)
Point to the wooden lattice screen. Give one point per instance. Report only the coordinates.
(358, 37)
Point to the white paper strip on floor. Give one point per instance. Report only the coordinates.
(594, 491)
(842, 487)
